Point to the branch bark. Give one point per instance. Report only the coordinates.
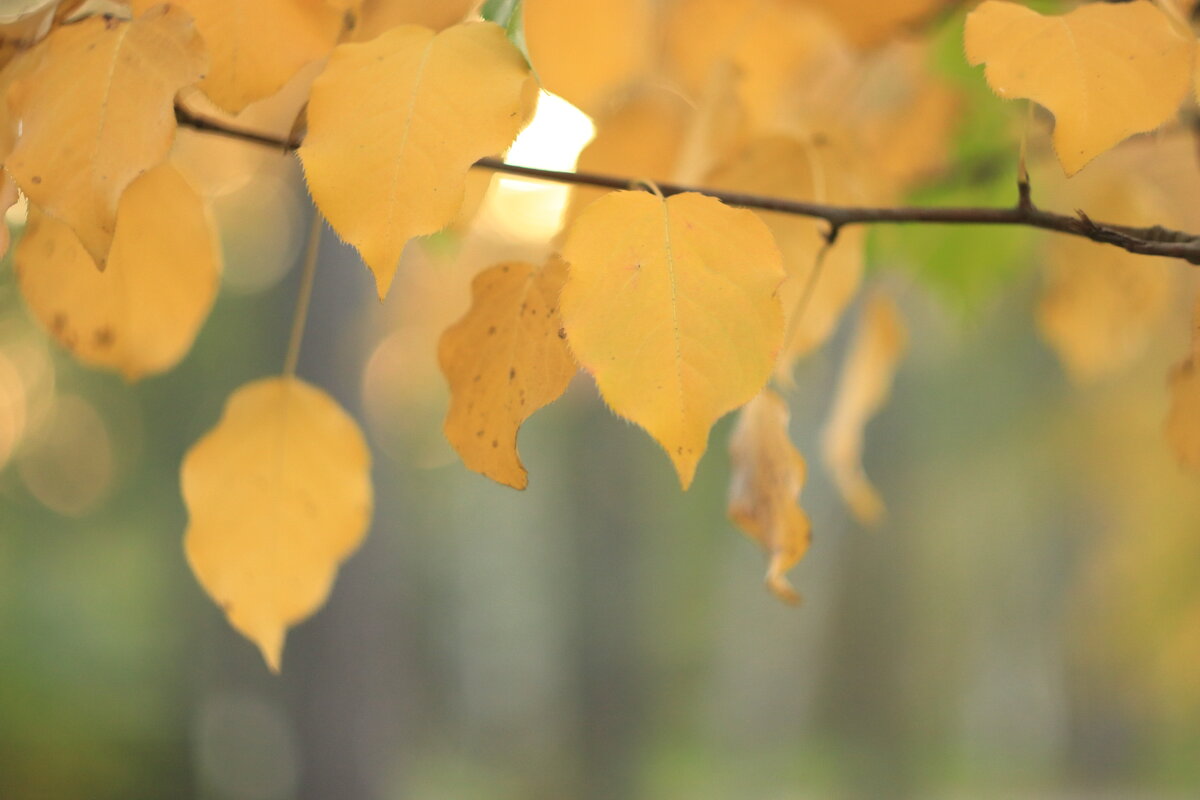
(1152, 240)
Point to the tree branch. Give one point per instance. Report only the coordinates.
(1153, 240)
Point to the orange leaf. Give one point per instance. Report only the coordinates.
(504, 360)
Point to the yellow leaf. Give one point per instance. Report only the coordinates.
(1105, 70)
(97, 112)
(869, 23)
(255, 47)
(23, 23)
(1183, 419)
(584, 50)
(395, 123)
(379, 16)
(768, 473)
(278, 494)
(815, 293)
(863, 388)
(8, 197)
(1100, 305)
(504, 360)
(672, 306)
(142, 314)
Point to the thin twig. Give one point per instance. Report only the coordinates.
(1154, 240)
(304, 296)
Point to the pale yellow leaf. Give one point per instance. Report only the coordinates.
(9, 195)
(1105, 70)
(380, 16)
(869, 23)
(140, 315)
(863, 387)
(97, 112)
(1183, 418)
(256, 47)
(821, 281)
(395, 123)
(278, 494)
(505, 359)
(585, 50)
(768, 473)
(672, 306)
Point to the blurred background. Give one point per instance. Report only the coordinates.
(1025, 624)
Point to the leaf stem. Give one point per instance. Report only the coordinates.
(304, 298)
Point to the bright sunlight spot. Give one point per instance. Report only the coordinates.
(529, 209)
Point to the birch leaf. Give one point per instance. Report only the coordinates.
(504, 360)
(97, 112)
(255, 47)
(1105, 70)
(672, 306)
(395, 123)
(863, 388)
(278, 494)
(768, 473)
(140, 315)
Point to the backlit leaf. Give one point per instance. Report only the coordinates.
(504, 360)
(672, 306)
(97, 112)
(863, 388)
(141, 314)
(278, 494)
(395, 123)
(255, 47)
(584, 50)
(768, 473)
(1105, 70)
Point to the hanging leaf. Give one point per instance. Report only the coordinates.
(141, 315)
(671, 305)
(768, 473)
(395, 123)
(1105, 70)
(863, 388)
(255, 48)
(97, 112)
(278, 495)
(504, 360)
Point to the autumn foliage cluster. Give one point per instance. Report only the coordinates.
(680, 307)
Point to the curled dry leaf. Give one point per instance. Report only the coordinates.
(141, 315)
(255, 48)
(585, 50)
(821, 281)
(504, 360)
(72, 160)
(863, 388)
(672, 306)
(768, 473)
(1105, 70)
(278, 494)
(395, 123)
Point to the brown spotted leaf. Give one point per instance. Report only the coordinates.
(504, 360)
